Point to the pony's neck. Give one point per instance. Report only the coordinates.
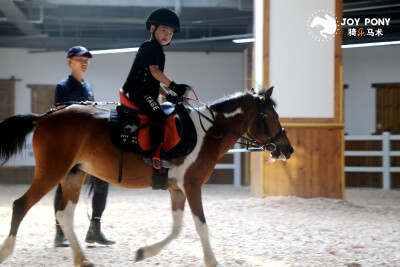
(234, 113)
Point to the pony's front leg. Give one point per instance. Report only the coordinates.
(193, 194)
(71, 187)
(178, 200)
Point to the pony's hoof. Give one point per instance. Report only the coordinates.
(216, 264)
(87, 263)
(139, 255)
(84, 263)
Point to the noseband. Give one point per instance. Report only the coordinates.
(262, 126)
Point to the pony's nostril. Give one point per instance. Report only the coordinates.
(291, 150)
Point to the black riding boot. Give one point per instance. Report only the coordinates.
(95, 234)
(60, 240)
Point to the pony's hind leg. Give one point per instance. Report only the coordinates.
(40, 187)
(178, 200)
(71, 187)
(193, 194)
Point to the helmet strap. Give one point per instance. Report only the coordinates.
(153, 37)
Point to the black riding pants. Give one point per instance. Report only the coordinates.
(99, 200)
(152, 108)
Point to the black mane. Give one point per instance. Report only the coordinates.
(225, 102)
(228, 102)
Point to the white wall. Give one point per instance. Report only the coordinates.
(212, 75)
(361, 68)
(301, 68)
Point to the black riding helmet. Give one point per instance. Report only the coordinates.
(164, 16)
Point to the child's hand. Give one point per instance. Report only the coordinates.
(172, 98)
(179, 89)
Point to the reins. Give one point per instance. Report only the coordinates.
(250, 143)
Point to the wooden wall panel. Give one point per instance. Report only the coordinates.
(387, 107)
(16, 175)
(316, 167)
(7, 99)
(42, 97)
(222, 176)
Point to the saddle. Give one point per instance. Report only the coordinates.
(130, 129)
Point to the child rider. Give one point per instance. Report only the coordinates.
(143, 83)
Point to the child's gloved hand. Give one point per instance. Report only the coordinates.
(179, 89)
(172, 98)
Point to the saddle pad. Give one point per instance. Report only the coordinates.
(131, 131)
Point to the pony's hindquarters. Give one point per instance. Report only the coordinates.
(54, 154)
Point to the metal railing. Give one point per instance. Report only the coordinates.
(385, 153)
(235, 166)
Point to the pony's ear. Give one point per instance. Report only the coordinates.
(268, 93)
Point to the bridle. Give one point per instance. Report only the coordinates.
(262, 127)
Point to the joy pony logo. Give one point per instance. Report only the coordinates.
(323, 25)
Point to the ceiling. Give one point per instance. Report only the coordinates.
(208, 25)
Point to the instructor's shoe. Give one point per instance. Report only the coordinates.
(60, 241)
(94, 234)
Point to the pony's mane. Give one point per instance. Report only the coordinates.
(228, 101)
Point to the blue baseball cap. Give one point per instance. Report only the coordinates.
(78, 51)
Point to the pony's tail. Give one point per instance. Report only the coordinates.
(13, 132)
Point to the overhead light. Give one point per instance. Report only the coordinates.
(241, 41)
(371, 44)
(112, 51)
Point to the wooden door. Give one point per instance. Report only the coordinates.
(7, 98)
(42, 97)
(387, 108)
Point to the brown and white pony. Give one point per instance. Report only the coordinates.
(74, 141)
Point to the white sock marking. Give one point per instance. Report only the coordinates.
(7, 247)
(66, 219)
(202, 230)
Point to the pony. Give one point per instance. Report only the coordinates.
(75, 141)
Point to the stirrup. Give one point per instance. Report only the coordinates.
(156, 162)
(164, 162)
(156, 158)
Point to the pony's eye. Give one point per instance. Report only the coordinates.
(275, 116)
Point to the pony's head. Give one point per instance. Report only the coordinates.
(266, 129)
